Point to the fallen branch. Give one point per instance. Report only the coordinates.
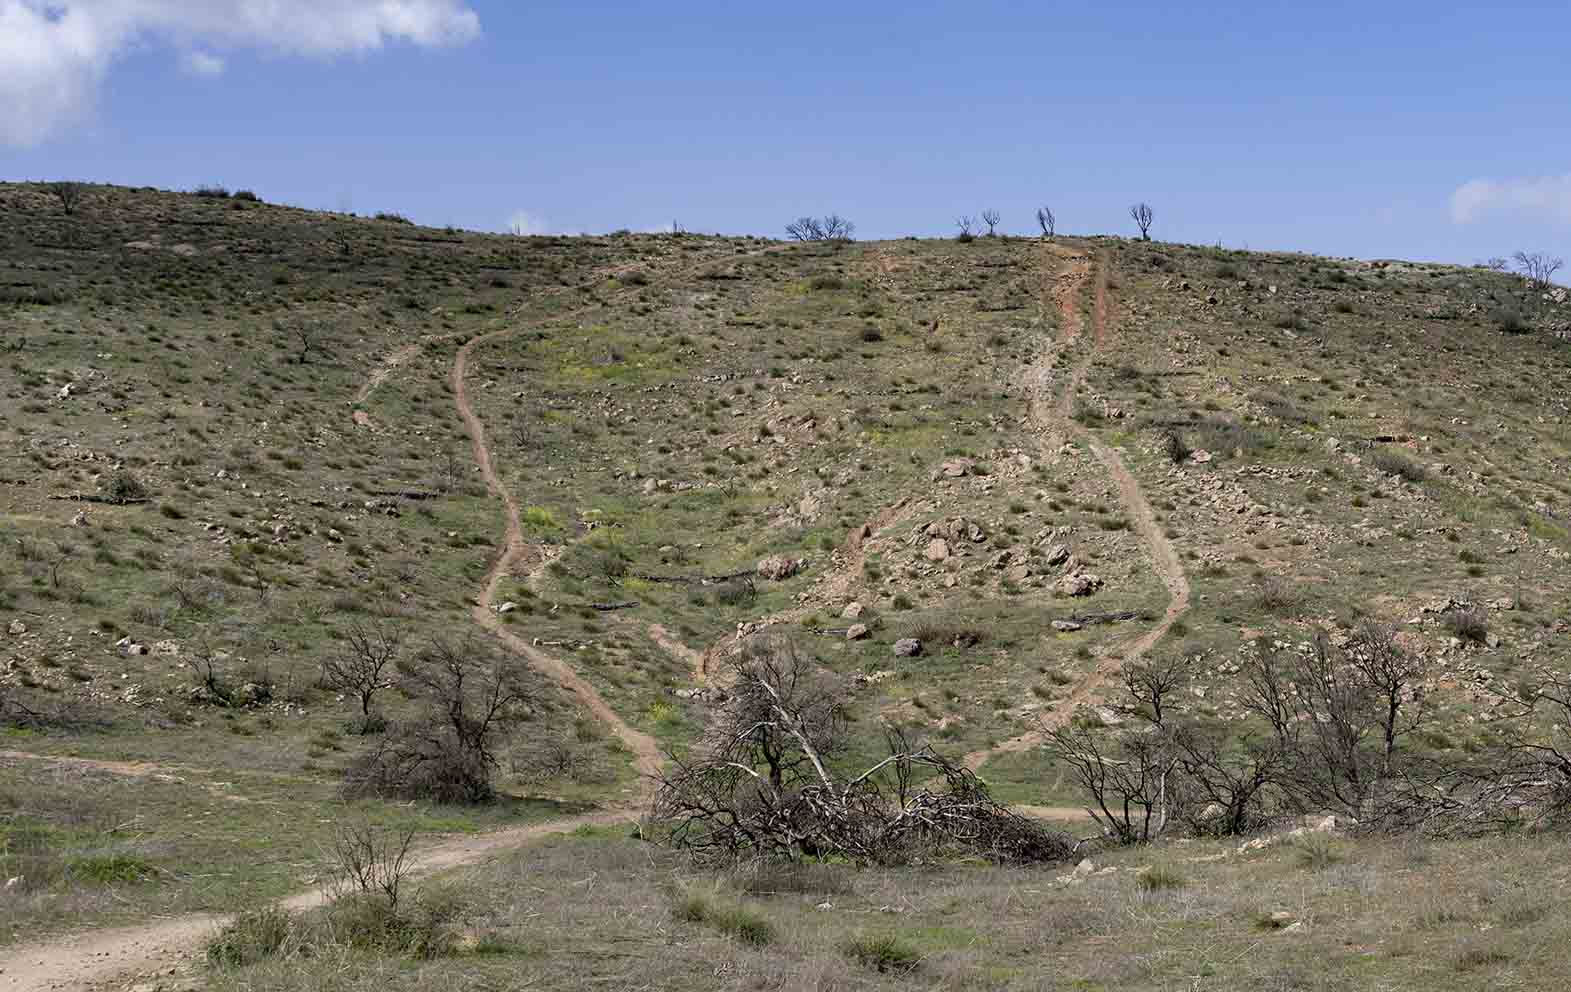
(415, 494)
(91, 498)
(695, 579)
(610, 607)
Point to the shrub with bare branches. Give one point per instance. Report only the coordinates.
(1537, 268)
(765, 782)
(831, 227)
(364, 664)
(991, 219)
(69, 194)
(1142, 215)
(1047, 222)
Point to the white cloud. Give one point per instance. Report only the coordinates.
(202, 64)
(1544, 196)
(523, 222)
(54, 54)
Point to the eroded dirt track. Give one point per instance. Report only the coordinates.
(1051, 415)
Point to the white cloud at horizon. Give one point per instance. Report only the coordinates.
(1540, 195)
(56, 54)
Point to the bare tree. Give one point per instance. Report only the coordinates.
(991, 218)
(364, 664)
(471, 697)
(69, 194)
(1129, 778)
(309, 336)
(1047, 222)
(370, 860)
(1142, 214)
(1537, 268)
(1495, 264)
(1153, 684)
(765, 783)
(967, 226)
(831, 227)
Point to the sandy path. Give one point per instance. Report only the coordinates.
(645, 752)
(1052, 415)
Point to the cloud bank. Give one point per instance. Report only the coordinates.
(1544, 197)
(55, 54)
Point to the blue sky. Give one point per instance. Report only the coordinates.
(1395, 130)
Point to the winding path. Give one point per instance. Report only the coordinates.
(1051, 414)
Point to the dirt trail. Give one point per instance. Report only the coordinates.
(1052, 415)
(645, 752)
(79, 961)
(670, 645)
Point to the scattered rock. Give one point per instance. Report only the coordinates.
(908, 647)
(1085, 868)
(857, 632)
(779, 567)
(1079, 584)
(362, 419)
(166, 649)
(852, 611)
(17, 628)
(1057, 554)
(1200, 457)
(937, 550)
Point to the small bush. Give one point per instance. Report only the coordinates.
(1511, 322)
(125, 488)
(247, 195)
(112, 869)
(1393, 463)
(738, 922)
(211, 192)
(884, 952)
(251, 937)
(1174, 448)
(392, 218)
(1160, 878)
(1468, 624)
(824, 284)
(1317, 851)
(1274, 595)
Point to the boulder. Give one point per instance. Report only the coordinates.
(852, 611)
(1057, 554)
(779, 567)
(1079, 584)
(1066, 626)
(857, 632)
(167, 649)
(17, 628)
(937, 550)
(507, 607)
(908, 647)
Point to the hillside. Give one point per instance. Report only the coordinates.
(238, 433)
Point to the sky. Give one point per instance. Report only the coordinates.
(1392, 129)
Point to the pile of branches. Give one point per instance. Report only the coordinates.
(764, 784)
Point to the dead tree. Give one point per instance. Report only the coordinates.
(309, 336)
(765, 783)
(967, 226)
(364, 664)
(1153, 684)
(470, 697)
(1129, 778)
(1142, 215)
(831, 227)
(991, 218)
(1047, 222)
(69, 194)
(1537, 268)
(370, 860)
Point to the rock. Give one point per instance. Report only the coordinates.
(1066, 626)
(362, 419)
(136, 650)
(852, 611)
(65, 391)
(1085, 868)
(810, 507)
(908, 647)
(166, 649)
(956, 468)
(80, 520)
(937, 550)
(1079, 584)
(650, 487)
(779, 567)
(507, 607)
(17, 628)
(1057, 554)
(334, 536)
(824, 907)
(1200, 457)
(857, 632)
(1333, 445)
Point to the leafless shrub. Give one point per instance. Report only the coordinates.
(967, 226)
(69, 194)
(1142, 215)
(1129, 778)
(470, 697)
(764, 782)
(1047, 222)
(831, 227)
(369, 860)
(364, 664)
(1468, 623)
(1537, 268)
(991, 219)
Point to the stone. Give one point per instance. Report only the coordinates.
(1079, 584)
(857, 632)
(1200, 457)
(334, 536)
(1057, 554)
(1085, 868)
(956, 468)
(650, 487)
(17, 628)
(362, 419)
(136, 650)
(507, 607)
(852, 611)
(936, 550)
(1066, 626)
(908, 647)
(166, 649)
(80, 520)
(779, 567)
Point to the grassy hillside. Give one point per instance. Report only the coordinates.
(233, 435)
